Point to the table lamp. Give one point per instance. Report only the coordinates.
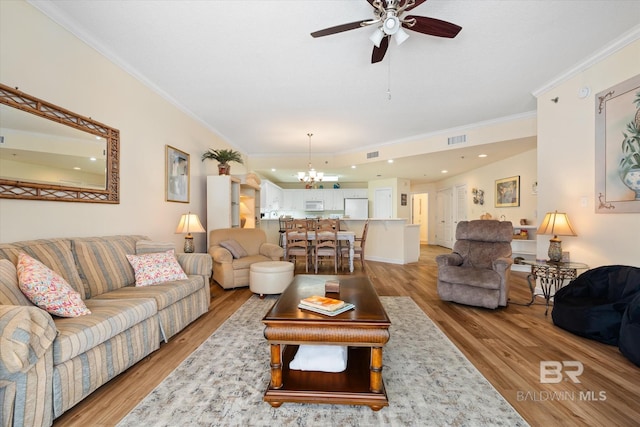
(189, 223)
(557, 224)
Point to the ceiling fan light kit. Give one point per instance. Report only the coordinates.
(388, 13)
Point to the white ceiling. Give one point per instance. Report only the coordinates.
(252, 73)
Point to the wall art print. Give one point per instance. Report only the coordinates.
(617, 144)
(508, 192)
(177, 175)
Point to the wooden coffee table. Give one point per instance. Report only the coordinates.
(365, 330)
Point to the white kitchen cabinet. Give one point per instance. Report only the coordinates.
(271, 197)
(333, 199)
(293, 200)
(355, 193)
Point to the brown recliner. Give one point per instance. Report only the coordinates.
(477, 271)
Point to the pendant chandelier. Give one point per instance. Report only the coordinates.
(311, 175)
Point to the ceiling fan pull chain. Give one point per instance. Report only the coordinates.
(389, 78)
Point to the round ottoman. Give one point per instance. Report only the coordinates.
(270, 277)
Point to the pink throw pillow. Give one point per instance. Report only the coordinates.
(47, 289)
(154, 268)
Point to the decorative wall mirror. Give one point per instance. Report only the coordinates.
(49, 153)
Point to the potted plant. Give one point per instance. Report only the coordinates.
(629, 168)
(223, 157)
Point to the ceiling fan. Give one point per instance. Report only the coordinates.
(388, 13)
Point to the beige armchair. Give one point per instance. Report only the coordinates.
(232, 271)
(477, 271)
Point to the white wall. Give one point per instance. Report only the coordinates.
(523, 165)
(566, 166)
(46, 61)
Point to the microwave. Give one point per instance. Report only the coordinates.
(313, 205)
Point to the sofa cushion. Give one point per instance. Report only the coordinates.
(245, 263)
(47, 289)
(164, 294)
(54, 253)
(108, 318)
(154, 268)
(236, 249)
(10, 293)
(150, 246)
(103, 264)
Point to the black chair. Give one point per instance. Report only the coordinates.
(629, 342)
(593, 304)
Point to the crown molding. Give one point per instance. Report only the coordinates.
(611, 48)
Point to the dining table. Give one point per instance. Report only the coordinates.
(348, 236)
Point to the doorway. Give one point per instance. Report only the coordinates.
(420, 215)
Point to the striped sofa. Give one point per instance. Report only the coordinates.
(48, 364)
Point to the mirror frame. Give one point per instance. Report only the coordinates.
(12, 189)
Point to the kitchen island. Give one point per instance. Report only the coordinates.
(389, 240)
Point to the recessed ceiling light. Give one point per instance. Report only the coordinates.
(76, 168)
(273, 169)
(93, 159)
(353, 166)
(444, 171)
(390, 161)
(482, 155)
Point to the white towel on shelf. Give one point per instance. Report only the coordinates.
(324, 358)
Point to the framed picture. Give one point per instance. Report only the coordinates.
(177, 175)
(617, 143)
(508, 192)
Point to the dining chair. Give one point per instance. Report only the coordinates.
(326, 244)
(298, 245)
(285, 224)
(358, 247)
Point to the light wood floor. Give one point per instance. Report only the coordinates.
(506, 345)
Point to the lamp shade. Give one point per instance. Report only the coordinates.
(190, 223)
(401, 36)
(377, 37)
(557, 224)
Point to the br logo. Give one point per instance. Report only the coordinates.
(553, 371)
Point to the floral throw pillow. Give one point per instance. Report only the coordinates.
(154, 268)
(47, 289)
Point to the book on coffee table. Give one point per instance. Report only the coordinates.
(345, 307)
(322, 303)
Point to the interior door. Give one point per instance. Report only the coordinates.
(444, 218)
(382, 203)
(460, 206)
(419, 210)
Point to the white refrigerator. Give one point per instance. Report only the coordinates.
(356, 208)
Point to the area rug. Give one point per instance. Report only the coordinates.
(428, 380)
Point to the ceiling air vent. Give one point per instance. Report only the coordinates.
(456, 139)
(372, 155)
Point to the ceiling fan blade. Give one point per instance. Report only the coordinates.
(433, 27)
(418, 3)
(339, 28)
(378, 52)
